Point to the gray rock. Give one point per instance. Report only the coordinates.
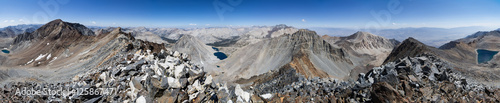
(245, 96)
(176, 54)
(208, 80)
(183, 82)
(161, 84)
(173, 83)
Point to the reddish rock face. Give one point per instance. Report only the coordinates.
(383, 92)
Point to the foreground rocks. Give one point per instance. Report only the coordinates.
(146, 77)
(139, 77)
(424, 78)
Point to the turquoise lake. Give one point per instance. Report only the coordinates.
(6, 51)
(485, 55)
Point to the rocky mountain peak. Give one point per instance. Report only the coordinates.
(56, 21)
(281, 26)
(55, 30)
(450, 45)
(477, 34)
(304, 33)
(304, 36)
(409, 47)
(361, 35)
(116, 30)
(412, 41)
(186, 37)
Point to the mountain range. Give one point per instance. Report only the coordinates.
(270, 63)
(428, 35)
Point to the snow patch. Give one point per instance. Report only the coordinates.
(53, 59)
(40, 57)
(29, 61)
(48, 57)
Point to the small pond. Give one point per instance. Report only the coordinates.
(218, 54)
(6, 51)
(216, 49)
(485, 55)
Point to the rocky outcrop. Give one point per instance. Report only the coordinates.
(142, 76)
(424, 78)
(23, 37)
(408, 48)
(461, 53)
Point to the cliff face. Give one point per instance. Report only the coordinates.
(303, 50)
(371, 49)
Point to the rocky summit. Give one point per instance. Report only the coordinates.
(170, 77)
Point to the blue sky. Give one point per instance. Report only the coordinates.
(298, 13)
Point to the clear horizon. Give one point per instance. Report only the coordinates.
(351, 14)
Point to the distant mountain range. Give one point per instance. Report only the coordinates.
(428, 35)
(12, 31)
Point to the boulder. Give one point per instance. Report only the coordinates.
(383, 92)
(176, 54)
(173, 82)
(161, 84)
(208, 80)
(166, 98)
(135, 82)
(245, 96)
(200, 98)
(179, 71)
(183, 82)
(198, 86)
(195, 73)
